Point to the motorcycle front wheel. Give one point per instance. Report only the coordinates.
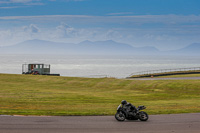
(143, 116)
(120, 116)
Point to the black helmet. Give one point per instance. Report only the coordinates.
(124, 102)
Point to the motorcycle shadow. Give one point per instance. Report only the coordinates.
(134, 121)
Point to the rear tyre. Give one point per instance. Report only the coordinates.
(120, 116)
(143, 116)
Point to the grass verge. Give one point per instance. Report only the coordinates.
(49, 95)
(179, 76)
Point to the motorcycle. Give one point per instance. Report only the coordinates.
(125, 113)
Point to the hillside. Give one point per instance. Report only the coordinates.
(192, 49)
(108, 47)
(85, 47)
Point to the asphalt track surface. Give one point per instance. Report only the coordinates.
(174, 123)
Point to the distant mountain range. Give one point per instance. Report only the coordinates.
(192, 49)
(90, 48)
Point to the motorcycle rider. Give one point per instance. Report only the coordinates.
(129, 106)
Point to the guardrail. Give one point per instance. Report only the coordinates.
(165, 71)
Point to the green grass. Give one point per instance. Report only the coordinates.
(49, 95)
(178, 76)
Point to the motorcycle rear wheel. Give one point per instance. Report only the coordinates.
(120, 116)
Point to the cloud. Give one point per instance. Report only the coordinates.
(19, 3)
(8, 7)
(120, 13)
(161, 31)
(15, 1)
(46, 17)
(64, 30)
(64, 27)
(19, 34)
(141, 19)
(67, 0)
(33, 2)
(31, 29)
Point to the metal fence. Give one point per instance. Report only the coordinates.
(165, 71)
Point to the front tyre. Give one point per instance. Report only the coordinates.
(120, 116)
(143, 116)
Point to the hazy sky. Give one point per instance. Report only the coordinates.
(165, 24)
